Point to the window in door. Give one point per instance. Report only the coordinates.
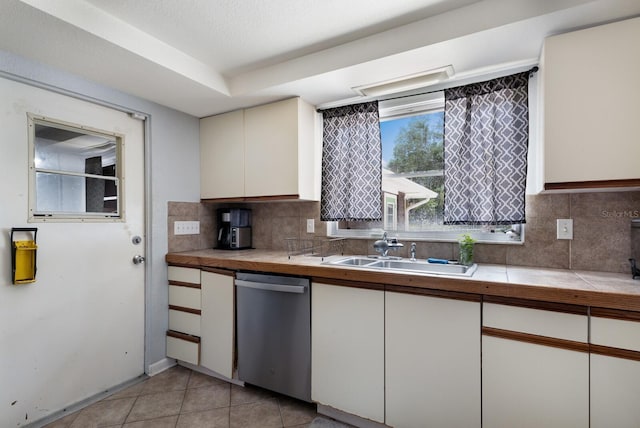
(74, 172)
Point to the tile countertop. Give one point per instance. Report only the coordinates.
(598, 289)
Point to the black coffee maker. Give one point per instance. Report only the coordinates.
(234, 228)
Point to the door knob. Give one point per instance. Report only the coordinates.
(138, 259)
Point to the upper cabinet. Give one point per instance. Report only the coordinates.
(262, 152)
(591, 113)
(222, 156)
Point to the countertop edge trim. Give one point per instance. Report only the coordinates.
(455, 295)
(537, 304)
(616, 314)
(219, 271)
(347, 283)
(485, 287)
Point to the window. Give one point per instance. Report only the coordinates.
(390, 211)
(412, 131)
(74, 172)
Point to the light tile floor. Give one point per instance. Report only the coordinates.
(181, 398)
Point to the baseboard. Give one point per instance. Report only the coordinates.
(160, 366)
(72, 408)
(348, 418)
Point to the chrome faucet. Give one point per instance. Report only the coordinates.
(413, 251)
(383, 245)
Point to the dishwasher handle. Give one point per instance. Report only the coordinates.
(271, 287)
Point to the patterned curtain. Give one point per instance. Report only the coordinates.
(351, 164)
(486, 136)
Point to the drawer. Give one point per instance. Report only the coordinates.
(187, 297)
(615, 333)
(183, 348)
(182, 274)
(541, 322)
(184, 322)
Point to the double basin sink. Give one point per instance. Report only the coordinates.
(404, 265)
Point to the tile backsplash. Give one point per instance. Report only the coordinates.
(601, 231)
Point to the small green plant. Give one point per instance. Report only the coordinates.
(466, 250)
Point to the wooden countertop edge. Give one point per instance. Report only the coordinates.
(602, 299)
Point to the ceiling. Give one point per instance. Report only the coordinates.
(204, 57)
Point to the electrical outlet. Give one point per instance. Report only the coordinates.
(564, 228)
(311, 224)
(186, 228)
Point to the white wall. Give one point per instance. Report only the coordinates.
(175, 176)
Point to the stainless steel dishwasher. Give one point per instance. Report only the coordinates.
(274, 333)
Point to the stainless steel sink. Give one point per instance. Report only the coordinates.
(355, 261)
(405, 265)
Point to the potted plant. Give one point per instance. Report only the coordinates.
(466, 250)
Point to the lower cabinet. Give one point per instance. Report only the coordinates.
(217, 322)
(538, 377)
(432, 361)
(183, 336)
(405, 360)
(347, 349)
(183, 347)
(615, 392)
(615, 369)
(529, 385)
(409, 358)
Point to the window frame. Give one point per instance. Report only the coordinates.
(415, 105)
(79, 217)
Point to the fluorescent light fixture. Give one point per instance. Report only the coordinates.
(406, 83)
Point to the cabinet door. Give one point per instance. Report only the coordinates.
(183, 347)
(579, 144)
(432, 361)
(535, 365)
(271, 155)
(222, 155)
(529, 385)
(217, 319)
(347, 348)
(615, 392)
(615, 370)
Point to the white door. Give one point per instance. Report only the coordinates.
(79, 329)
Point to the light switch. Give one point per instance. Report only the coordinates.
(311, 224)
(564, 228)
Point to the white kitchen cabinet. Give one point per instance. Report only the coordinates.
(347, 349)
(267, 151)
(280, 150)
(217, 322)
(590, 81)
(222, 156)
(184, 321)
(432, 361)
(183, 347)
(615, 369)
(531, 380)
(183, 337)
